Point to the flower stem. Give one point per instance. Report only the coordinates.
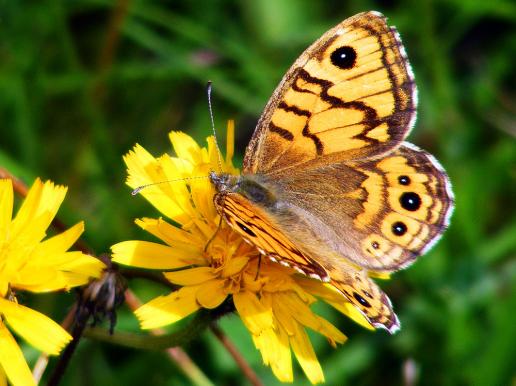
(197, 324)
(65, 357)
(176, 354)
(42, 362)
(239, 359)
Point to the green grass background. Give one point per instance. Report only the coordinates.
(82, 81)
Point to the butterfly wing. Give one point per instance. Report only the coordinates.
(366, 296)
(380, 214)
(259, 229)
(349, 197)
(351, 95)
(262, 230)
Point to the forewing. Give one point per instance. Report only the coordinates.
(351, 95)
(259, 229)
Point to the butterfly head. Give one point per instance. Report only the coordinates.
(224, 182)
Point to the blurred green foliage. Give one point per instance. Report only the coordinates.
(82, 81)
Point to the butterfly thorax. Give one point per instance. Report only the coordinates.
(249, 186)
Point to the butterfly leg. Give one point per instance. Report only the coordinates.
(259, 266)
(214, 234)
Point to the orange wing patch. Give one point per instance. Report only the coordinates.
(411, 208)
(351, 95)
(367, 297)
(256, 228)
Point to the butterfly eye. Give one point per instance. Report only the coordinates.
(410, 201)
(344, 57)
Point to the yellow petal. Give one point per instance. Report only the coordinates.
(380, 275)
(168, 309)
(202, 192)
(305, 355)
(140, 164)
(58, 271)
(331, 332)
(290, 308)
(146, 254)
(335, 299)
(282, 314)
(31, 203)
(3, 376)
(211, 294)
(214, 157)
(176, 189)
(4, 287)
(234, 266)
(274, 347)
(12, 360)
(6, 207)
(185, 147)
(37, 329)
(255, 316)
(208, 230)
(78, 263)
(191, 276)
(38, 210)
(58, 243)
(280, 278)
(352, 312)
(230, 141)
(168, 233)
(144, 169)
(34, 277)
(183, 167)
(319, 289)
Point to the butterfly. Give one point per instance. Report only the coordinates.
(329, 187)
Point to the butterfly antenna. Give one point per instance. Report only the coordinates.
(208, 90)
(141, 187)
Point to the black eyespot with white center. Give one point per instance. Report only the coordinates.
(344, 57)
(399, 228)
(410, 201)
(361, 300)
(375, 244)
(404, 180)
(246, 229)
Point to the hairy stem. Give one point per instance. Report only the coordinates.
(199, 323)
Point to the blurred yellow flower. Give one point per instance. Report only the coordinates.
(28, 263)
(210, 266)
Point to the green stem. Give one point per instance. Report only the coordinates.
(198, 324)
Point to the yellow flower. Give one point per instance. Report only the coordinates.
(273, 301)
(28, 263)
